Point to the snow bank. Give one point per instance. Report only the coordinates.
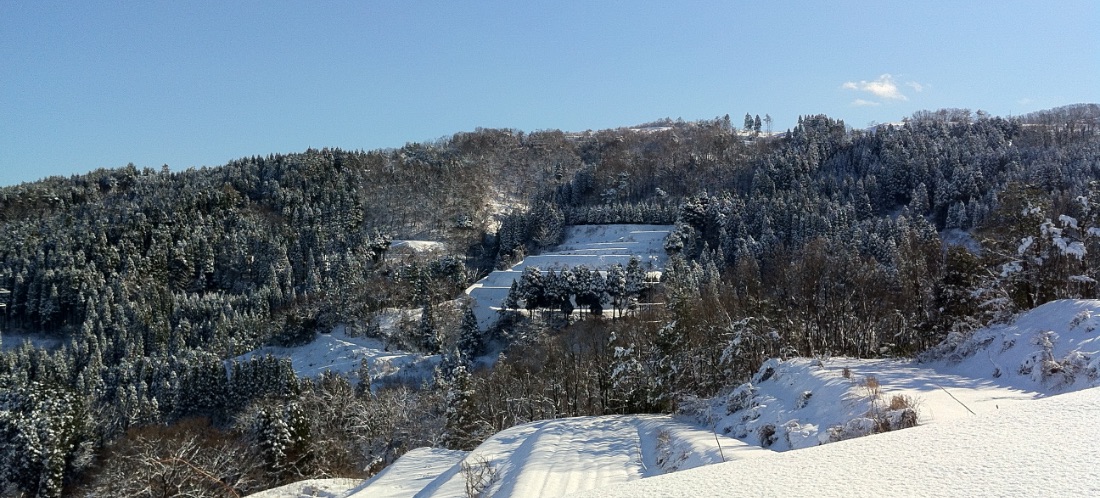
(409, 474)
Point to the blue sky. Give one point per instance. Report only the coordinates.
(85, 85)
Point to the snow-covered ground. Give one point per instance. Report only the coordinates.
(340, 353)
(1048, 447)
(596, 246)
(411, 473)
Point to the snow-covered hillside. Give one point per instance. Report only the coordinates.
(596, 246)
(981, 430)
(805, 402)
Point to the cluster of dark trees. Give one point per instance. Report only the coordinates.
(820, 240)
(567, 289)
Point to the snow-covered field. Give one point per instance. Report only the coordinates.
(981, 431)
(596, 246)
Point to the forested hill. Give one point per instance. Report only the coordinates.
(814, 240)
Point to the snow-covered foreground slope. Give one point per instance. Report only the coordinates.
(411, 473)
(1047, 447)
(598, 247)
(313, 488)
(547, 458)
(555, 457)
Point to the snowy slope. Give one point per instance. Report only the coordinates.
(548, 458)
(410, 473)
(1047, 447)
(803, 402)
(554, 457)
(596, 246)
(314, 488)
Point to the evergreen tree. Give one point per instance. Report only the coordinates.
(462, 425)
(427, 331)
(470, 341)
(616, 287)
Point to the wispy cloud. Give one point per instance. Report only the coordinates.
(864, 103)
(883, 88)
(918, 87)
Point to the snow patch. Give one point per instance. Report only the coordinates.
(343, 354)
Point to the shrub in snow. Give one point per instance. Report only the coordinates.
(766, 433)
(857, 427)
(803, 399)
(902, 419)
(479, 475)
(741, 398)
(1044, 369)
(669, 457)
(1085, 320)
(800, 436)
(766, 371)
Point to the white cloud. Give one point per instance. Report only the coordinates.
(883, 88)
(864, 103)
